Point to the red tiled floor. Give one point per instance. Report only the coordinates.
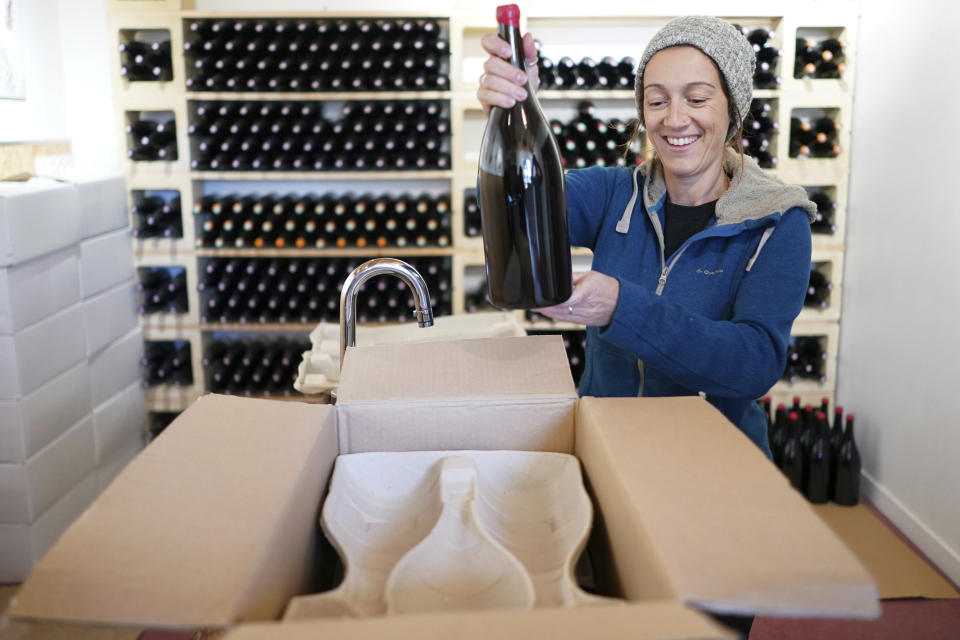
(901, 620)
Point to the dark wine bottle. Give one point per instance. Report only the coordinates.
(522, 198)
(846, 491)
(821, 460)
(794, 459)
(779, 435)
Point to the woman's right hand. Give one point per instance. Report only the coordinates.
(502, 84)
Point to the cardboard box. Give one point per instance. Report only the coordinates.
(119, 421)
(105, 261)
(116, 367)
(103, 204)
(688, 512)
(21, 545)
(110, 315)
(34, 355)
(31, 423)
(33, 290)
(29, 488)
(38, 204)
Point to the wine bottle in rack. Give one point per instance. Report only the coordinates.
(296, 290)
(807, 58)
(760, 127)
(825, 220)
(806, 359)
(254, 366)
(823, 59)
(156, 214)
(317, 55)
(818, 291)
(765, 75)
(417, 136)
(149, 139)
(167, 362)
(350, 220)
(147, 60)
(162, 290)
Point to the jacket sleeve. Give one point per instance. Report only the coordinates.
(588, 197)
(743, 356)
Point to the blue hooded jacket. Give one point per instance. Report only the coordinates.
(714, 319)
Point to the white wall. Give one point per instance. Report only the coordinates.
(899, 340)
(42, 116)
(88, 64)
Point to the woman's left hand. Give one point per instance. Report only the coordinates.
(593, 301)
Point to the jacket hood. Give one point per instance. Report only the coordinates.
(752, 194)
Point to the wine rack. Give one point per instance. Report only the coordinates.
(177, 231)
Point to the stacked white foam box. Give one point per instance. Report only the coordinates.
(72, 411)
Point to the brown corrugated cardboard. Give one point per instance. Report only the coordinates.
(639, 621)
(185, 534)
(213, 523)
(729, 533)
(452, 395)
(899, 572)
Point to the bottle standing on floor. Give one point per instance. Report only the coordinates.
(846, 489)
(818, 482)
(522, 197)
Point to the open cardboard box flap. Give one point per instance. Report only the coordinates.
(214, 523)
(729, 533)
(454, 394)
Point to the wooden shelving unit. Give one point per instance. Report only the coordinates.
(615, 28)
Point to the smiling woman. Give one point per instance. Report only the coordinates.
(701, 261)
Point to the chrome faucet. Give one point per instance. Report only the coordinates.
(367, 270)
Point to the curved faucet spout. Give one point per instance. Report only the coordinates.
(367, 270)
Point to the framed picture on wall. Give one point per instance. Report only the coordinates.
(12, 80)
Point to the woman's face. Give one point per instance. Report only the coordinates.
(685, 112)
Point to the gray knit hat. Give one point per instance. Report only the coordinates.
(719, 40)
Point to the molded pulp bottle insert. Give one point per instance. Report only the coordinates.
(455, 530)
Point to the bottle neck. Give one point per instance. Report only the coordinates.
(512, 35)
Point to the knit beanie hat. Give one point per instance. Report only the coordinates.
(719, 40)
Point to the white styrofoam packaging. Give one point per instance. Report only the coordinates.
(105, 261)
(29, 424)
(28, 489)
(109, 315)
(116, 367)
(37, 288)
(22, 545)
(37, 353)
(40, 204)
(119, 421)
(103, 204)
